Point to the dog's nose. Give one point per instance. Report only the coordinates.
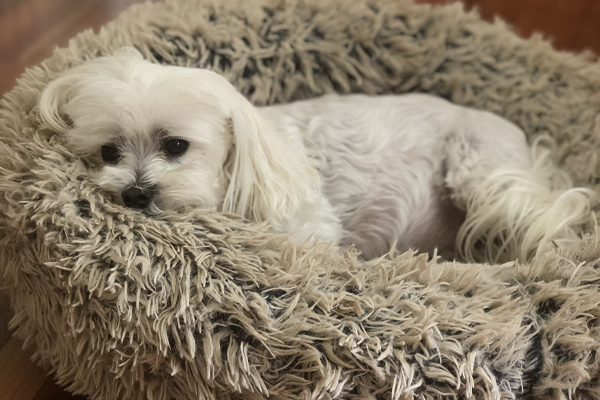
(135, 197)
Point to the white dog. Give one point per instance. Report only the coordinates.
(411, 171)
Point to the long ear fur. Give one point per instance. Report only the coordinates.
(60, 91)
(54, 97)
(271, 176)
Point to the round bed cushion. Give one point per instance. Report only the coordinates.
(200, 305)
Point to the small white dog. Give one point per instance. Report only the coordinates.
(410, 171)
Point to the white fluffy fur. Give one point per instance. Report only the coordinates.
(411, 171)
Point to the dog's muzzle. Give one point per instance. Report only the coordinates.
(136, 197)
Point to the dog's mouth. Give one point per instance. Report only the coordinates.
(152, 209)
(152, 200)
(149, 206)
(160, 205)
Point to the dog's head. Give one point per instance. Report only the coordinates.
(164, 137)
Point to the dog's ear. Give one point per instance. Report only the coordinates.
(59, 92)
(53, 99)
(270, 176)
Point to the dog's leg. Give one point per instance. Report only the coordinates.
(516, 202)
(316, 220)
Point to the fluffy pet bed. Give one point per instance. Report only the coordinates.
(205, 306)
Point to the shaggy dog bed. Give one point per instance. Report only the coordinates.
(205, 306)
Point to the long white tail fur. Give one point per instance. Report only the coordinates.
(517, 214)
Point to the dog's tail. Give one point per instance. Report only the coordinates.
(516, 214)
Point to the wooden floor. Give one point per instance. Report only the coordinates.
(31, 29)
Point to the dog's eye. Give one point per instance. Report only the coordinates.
(176, 147)
(110, 154)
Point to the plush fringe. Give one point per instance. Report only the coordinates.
(517, 214)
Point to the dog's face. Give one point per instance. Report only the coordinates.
(163, 137)
(155, 144)
(157, 137)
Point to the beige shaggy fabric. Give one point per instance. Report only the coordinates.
(202, 306)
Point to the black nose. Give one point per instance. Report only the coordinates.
(135, 197)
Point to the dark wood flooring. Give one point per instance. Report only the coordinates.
(31, 29)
